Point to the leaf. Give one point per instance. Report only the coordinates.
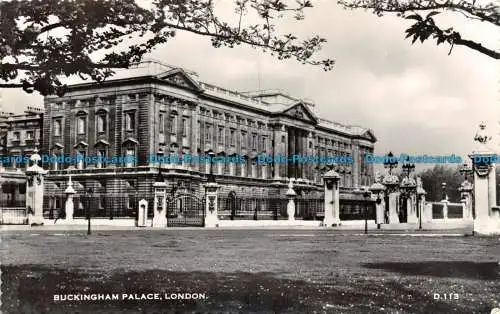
(432, 14)
(414, 17)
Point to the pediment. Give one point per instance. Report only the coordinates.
(368, 135)
(300, 111)
(179, 78)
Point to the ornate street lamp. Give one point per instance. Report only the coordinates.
(408, 168)
(390, 162)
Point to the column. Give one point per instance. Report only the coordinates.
(412, 208)
(332, 199)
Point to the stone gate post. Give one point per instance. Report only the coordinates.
(160, 205)
(421, 206)
(465, 190)
(332, 199)
(485, 221)
(378, 190)
(211, 204)
(391, 183)
(34, 190)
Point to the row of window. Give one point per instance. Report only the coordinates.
(16, 136)
(333, 143)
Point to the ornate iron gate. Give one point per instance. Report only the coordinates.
(185, 210)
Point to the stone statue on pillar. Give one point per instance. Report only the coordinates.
(290, 207)
(34, 190)
(69, 205)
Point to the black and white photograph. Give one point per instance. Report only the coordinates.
(249, 156)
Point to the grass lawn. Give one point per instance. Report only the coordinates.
(249, 271)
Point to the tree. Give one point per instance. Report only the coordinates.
(433, 178)
(44, 41)
(425, 26)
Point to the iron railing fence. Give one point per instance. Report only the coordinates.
(54, 206)
(437, 211)
(252, 208)
(13, 216)
(110, 206)
(357, 209)
(455, 211)
(310, 208)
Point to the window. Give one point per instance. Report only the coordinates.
(16, 136)
(57, 127)
(254, 141)
(232, 137)
(243, 139)
(184, 127)
(101, 122)
(208, 133)
(283, 139)
(132, 97)
(101, 153)
(173, 123)
(130, 120)
(81, 125)
(161, 122)
(30, 135)
(80, 160)
(220, 136)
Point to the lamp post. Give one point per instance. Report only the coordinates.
(390, 162)
(88, 194)
(366, 194)
(211, 177)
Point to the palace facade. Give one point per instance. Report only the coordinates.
(174, 113)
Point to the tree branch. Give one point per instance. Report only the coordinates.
(478, 47)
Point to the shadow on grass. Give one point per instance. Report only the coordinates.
(31, 289)
(450, 269)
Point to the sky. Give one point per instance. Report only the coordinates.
(417, 99)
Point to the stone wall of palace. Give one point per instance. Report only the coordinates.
(150, 118)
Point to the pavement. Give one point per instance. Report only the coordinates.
(350, 230)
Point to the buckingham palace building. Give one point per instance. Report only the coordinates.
(138, 121)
